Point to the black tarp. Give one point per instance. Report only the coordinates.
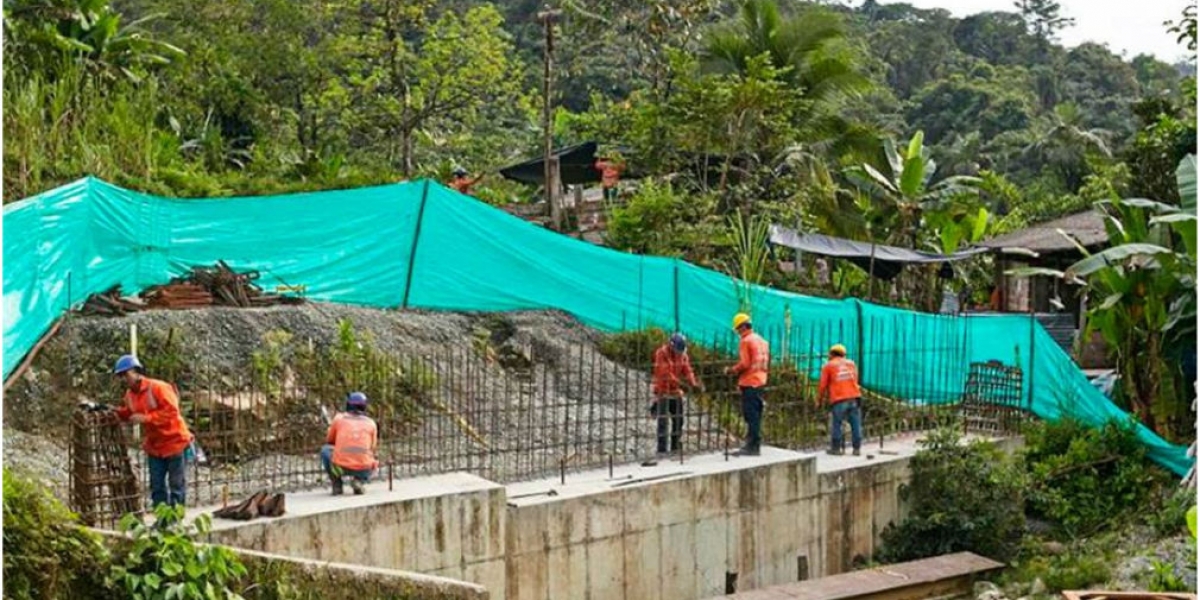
(576, 165)
(889, 260)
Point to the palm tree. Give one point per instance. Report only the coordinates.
(1064, 144)
(902, 196)
(810, 45)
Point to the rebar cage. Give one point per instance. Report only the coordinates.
(511, 411)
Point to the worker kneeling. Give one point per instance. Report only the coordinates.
(839, 384)
(349, 449)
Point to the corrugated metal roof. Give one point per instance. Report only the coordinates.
(1086, 227)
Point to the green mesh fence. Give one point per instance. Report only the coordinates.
(420, 245)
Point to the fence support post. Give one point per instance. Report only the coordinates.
(676, 287)
(1032, 343)
(412, 253)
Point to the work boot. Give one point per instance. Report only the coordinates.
(833, 452)
(650, 462)
(858, 452)
(747, 451)
(337, 487)
(357, 486)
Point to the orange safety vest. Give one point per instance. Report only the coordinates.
(353, 438)
(839, 377)
(165, 434)
(754, 356)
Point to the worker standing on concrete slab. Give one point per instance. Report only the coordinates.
(350, 445)
(672, 370)
(839, 385)
(154, 405)
(754, 356)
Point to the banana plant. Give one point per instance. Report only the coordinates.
(908, 190)
(1143, 289)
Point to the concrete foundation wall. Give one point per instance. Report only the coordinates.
(674, 531)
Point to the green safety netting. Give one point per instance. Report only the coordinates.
(420, 245)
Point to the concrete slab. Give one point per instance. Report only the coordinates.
(313, 502)
(628, 476)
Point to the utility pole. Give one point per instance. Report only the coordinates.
(550, 179)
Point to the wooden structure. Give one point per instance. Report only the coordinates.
(940, 576)
(1043, 245)
(1102, 595)
(1059, 305)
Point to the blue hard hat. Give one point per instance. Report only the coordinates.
(356, 399)
(678, 342)
(126, 363)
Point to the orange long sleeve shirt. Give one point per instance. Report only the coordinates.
(354, 438)
(669, 370)
(165, 434)
(753, 358)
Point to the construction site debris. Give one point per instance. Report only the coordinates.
(203, 286)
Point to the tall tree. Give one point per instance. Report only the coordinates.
(1044, 18)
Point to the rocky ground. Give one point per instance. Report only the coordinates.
(514, 393)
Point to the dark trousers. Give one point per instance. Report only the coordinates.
(752, 411)
(842, 411)
(168, 480)
(669, 409)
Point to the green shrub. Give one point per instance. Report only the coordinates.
(162, 562)
(633, 349)
(1084, 478)
(1076, 570)
(47, 555)
(962, 497)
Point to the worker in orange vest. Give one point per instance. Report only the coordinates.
(349, 449)
(754, 355)
(839, 385)
(154, 405)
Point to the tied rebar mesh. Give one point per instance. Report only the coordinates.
(518, 411)
(103, 485)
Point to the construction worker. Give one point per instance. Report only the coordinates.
(610, 167)
(154, 405)
(672, 370)
(753, 358)
(349, 449)
(839, 386)
(461, 182)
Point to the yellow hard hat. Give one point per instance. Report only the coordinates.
(838, 349)
(740, 319)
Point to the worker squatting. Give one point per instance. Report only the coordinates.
(352, 440)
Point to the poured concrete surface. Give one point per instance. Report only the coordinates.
(447, 525)
(670, 531)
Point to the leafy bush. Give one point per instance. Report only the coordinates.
(1077, 570)
(659, 220)
(633, 349)
(162, 561)
(47, 555)
(962, 497)
(1085, 478)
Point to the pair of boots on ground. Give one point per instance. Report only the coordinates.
(261, 504)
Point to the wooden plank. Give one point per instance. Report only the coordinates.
(1103, 595)
(931, 577)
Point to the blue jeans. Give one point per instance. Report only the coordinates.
(752, 411)
(846, 409)
(669, 409)
(168, 480)
(337, 473)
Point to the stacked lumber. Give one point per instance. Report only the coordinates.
(204, 286)
(110, 303)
